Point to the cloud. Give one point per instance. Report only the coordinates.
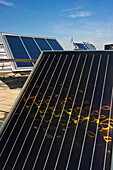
(80, 14)
(71, 9)
(97, 32)
(6, 3)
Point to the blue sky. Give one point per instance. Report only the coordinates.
(84, 20)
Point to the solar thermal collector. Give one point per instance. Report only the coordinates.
(63, 118)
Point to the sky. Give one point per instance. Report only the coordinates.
(83, 20)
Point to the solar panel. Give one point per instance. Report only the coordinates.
(43, 44)
(90, 46)
(81, 46)
(31, 47)
(54, 44)
(63, 118)
(25, 47)
(18, 50)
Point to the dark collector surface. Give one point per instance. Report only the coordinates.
(64, 118)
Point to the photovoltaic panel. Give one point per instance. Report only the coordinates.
(90, 46)
(63, 118)
(31, 46)
(54, 44)
(43, 44)
(26, 47)
(18, 50)
(81, 46)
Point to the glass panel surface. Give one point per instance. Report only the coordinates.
(81, 46)
(64, 119)
(90, 47)
(43, 44)
(54, 44)
(31, 47)
(18, 50)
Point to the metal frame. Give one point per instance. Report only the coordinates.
(112, 159)
(17, 60)
(19, 35)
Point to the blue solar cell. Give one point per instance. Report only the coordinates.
(18, 50)
(81, 46)
(90, 46)
(43, 44)
(31, 46)
(54, 44)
